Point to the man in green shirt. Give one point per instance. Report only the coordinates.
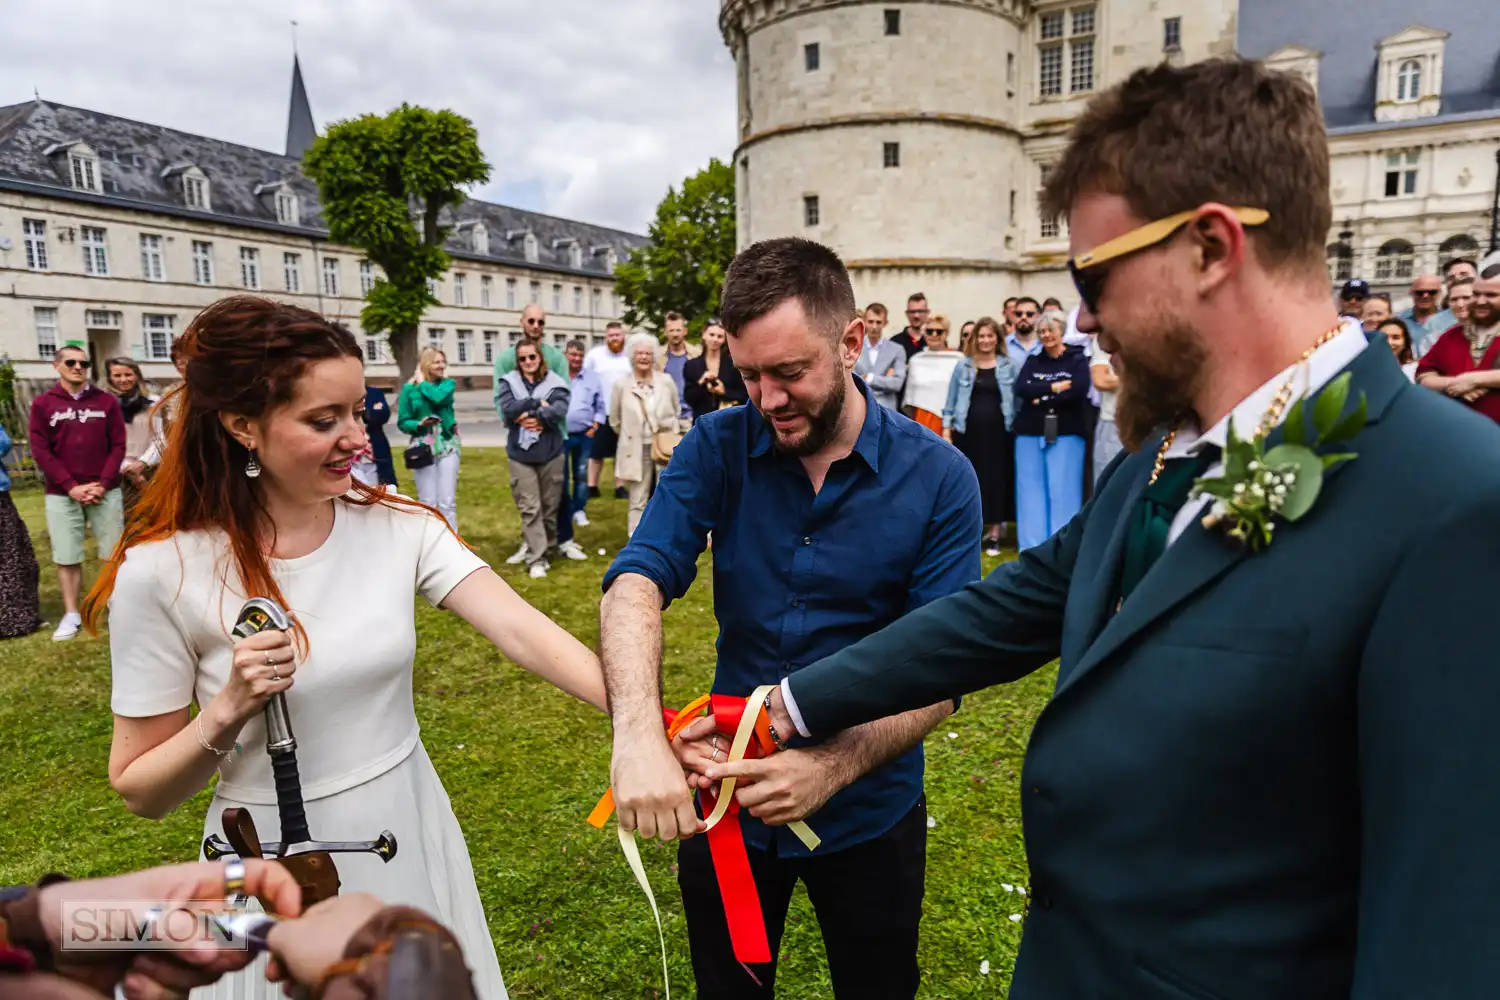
(533, 328)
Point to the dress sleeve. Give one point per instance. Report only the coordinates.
(153, 664)
(443, 561)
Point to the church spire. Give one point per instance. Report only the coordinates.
(300, 130)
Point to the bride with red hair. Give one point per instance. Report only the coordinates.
(253, 498)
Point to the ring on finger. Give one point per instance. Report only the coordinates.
(234, 877)
(269, 662)
(275, 674)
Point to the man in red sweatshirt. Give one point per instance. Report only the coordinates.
(78, 441)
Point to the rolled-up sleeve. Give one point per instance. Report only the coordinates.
(674, 530)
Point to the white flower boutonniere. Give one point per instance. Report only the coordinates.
(1258, 486)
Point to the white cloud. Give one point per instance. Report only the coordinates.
(587, 109)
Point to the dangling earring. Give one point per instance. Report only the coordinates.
(252, 467)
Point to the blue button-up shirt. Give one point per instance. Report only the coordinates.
(586, 405)
(1019, 353)
(798, 576)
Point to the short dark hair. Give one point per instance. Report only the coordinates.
(57, 354)
(613, 324)
(1450, 265)
(1009, 302)
(1241, 134)
(1028, 298)
(916, 297)
(877, 309)
(575, 345)
(1382, 296)
(674, 317)
(769, 273)
(1465, 280)
(1052, 302)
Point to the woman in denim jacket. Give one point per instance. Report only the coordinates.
(977, 419)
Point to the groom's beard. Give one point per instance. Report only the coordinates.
(1159, 381)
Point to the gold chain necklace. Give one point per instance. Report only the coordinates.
(1273, 413)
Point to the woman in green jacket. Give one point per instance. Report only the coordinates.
(425, 414)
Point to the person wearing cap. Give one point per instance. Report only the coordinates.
(1353, 296)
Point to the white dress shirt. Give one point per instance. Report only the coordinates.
(1320, 369)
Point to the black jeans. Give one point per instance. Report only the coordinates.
(868, 899)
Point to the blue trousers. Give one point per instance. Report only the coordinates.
(1049, 486)
(575, 491)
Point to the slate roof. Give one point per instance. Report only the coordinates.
(1348, 32)
(133, 156)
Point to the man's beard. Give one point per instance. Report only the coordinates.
(1158, 384)
(1480, 318)
(822, 423)
(1023, 328)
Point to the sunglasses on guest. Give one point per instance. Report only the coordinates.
(536, 322)
(76, 363)
(1090, 277)
(1424, 292)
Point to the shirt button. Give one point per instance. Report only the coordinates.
(807, 540)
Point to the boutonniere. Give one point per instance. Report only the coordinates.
(1258, 486)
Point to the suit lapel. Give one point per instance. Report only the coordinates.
(1201, 556)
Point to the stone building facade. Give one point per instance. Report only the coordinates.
(913, 135)
(117, 233)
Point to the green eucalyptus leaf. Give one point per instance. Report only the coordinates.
(1307, 468)
(1329, 461)
(1294, 428)
(1329, 404)
(1222, 488)
(1352, 424)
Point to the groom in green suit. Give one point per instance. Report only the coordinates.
(1268, 771)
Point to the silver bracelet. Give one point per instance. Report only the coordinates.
(775, 736)
(209, 746)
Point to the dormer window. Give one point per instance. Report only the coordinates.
(575, 256)
(286, 208)
(1409, 83)
(1298, 61)
(533, 251)
(481, 238)
(85, 171)
(195, 189)
(611, 258)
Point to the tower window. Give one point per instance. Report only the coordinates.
(893, 154)
(811, 212)
(1171, 39)
(811, 56)
(893, 22)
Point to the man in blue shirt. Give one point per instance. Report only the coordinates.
(586, 411)
(831, 517)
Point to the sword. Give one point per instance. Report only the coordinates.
(308, 860)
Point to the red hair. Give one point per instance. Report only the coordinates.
(244, 356)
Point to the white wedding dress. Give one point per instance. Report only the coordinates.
(363, 767)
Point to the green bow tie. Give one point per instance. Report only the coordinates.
(1151, 522)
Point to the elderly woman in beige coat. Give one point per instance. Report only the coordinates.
(641, 404)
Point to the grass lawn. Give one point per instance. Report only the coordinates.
(523, 765)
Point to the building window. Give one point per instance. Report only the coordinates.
(85, 172)
(465, 340)
(34, 233)
(1049, 228)
(372, 350)
(203, 262)
(1409, 81)
(510, 293)
(1171, 34)
(486, 291)
(432, 287)
(1012, 216)
(1340, 262)
(291, 270)
(435, 337)
(158, 338)
(101, 319)
(46, 332)
(481, 238)
(892, 154)
(195, 191)
(577, 300)
(460, 289)
(811, 57)
(153, 268)
(286, 207)
(1395, 261)
(557, 298)
(596, 300)
(250, 267)
(614, 303)
(366, 278)
(575, 256)
(1066, 51)
(491, 341)
(893, 22)
(332, 286)
(536, 293)
(1010, 68)
(95, 254)
(532, 248)
(1401, 173)
(811, 211)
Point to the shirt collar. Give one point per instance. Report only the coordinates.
(1036, 343)
(1324, 365)
(866, 446)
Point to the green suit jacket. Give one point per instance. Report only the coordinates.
(1270, 775)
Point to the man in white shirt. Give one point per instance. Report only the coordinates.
(1257, 776)
(610, 363)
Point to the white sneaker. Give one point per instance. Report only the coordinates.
(538, 570)
(522, 554)
(573, 551)
(68, 627)
(581, 519)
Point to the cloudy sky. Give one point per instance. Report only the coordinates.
(587, 109)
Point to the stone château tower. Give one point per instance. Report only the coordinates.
(912, 135)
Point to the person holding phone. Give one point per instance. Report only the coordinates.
(710, 381)
(425, 412)
(1051, 394)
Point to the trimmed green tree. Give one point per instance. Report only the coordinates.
(691, 244)
(384, 181)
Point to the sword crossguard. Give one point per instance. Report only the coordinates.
(383, 847)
